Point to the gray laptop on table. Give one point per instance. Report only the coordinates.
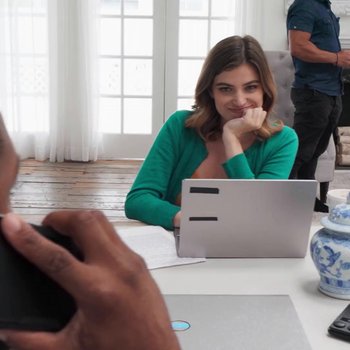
(236, 322)
(245, 218)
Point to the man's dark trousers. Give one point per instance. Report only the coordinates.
(315, 119)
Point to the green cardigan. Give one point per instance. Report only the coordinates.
(178, 151)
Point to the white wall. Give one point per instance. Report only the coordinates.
(271, 31)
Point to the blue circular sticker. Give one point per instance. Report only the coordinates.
(180, 326)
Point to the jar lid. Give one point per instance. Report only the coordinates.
(339, 217)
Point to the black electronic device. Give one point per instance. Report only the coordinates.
(340, 327)
(29, 300)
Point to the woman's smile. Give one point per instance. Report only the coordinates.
(239, 112)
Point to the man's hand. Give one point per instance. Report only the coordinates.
(119, 304)
(344, 59)
(8, 167)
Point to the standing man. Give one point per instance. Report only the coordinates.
(313, 32)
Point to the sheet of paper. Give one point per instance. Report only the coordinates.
(155, 245)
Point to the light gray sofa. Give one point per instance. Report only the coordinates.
(282, 67)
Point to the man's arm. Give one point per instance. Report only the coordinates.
(301, 47)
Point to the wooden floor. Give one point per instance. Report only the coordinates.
(43, 187)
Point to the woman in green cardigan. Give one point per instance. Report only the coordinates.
(228, 134)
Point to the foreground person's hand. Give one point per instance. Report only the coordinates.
(119, 304)
(8, 167)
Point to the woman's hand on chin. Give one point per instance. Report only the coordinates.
(238, 134)
(251, 121)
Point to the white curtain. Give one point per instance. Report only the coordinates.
(250, 18)
(49, 71)
(48, 63)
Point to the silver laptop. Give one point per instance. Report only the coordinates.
(245, 218)
(227, 322)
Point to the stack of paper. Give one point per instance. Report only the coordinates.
(155, 245)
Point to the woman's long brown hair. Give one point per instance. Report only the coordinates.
(228, 54)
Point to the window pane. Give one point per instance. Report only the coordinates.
(138, 7)
(188, 75)
(37, 109)
(33, 76)
(110, 7)
(185, 103)
(194, 7)
(110, 76)
(138, 35)
(138, 77)
(31, 7)
(223, 8)
(110, 115)
(32, 35)
(137, 116)
(11, 123)
(221, 29)
(7, 79)
(193, 38)
(110, 36)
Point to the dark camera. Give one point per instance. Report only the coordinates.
(30, 300)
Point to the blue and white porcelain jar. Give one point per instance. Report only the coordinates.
(330, 252)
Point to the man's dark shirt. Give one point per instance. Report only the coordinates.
(315, 17)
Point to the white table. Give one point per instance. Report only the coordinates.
(295, 277)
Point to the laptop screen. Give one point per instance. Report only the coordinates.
(246, 218)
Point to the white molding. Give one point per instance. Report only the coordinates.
(339, 7)
(345, 42)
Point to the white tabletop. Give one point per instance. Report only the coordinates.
(295, 277)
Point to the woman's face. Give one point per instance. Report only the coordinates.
(237, 90)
